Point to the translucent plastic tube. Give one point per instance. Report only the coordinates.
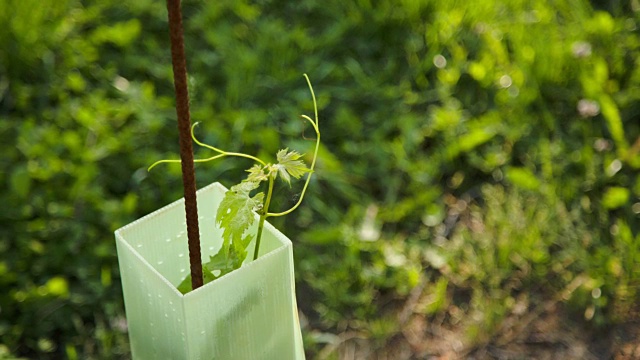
(250, 313)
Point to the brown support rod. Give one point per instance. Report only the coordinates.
(186, 147)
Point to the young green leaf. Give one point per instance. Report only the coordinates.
(225, 262)
(256, 173)
(235, 212)
(289, 163)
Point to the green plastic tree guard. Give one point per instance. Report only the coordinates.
(250, 313)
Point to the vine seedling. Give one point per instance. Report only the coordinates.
(235, 213)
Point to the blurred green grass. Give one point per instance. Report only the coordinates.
(480, 150)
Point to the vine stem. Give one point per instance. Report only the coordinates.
(186, 148)
(263, 217)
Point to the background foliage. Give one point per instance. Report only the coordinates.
(483, 152)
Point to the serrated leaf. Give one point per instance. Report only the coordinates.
(225, 262)
(222, 262)
(247, 240)
(237, 253)
(289, 164)
(235, 213)
(218, 261)
(256, 173)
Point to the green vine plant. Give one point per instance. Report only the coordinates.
(235, 213)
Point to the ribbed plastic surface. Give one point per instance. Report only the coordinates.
(248, 314)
